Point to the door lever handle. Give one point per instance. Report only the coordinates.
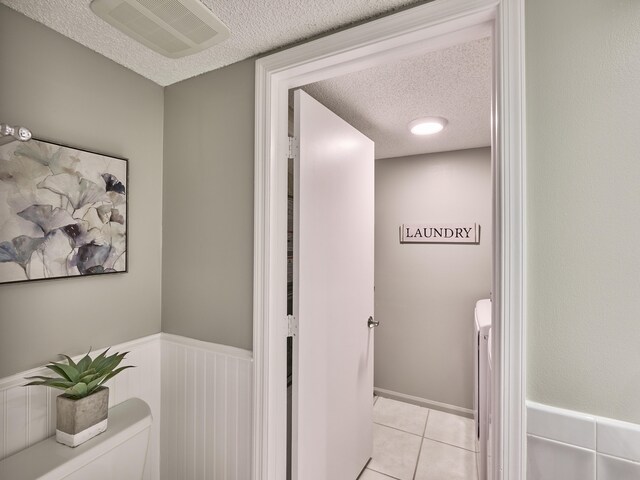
(371, 323)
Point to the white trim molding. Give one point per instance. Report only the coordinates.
(509, 153)
(431, 26)
(229, 351)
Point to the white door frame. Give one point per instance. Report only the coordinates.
(410, 32)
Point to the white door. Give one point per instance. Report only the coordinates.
(333, 295)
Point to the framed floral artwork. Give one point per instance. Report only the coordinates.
(63, 212)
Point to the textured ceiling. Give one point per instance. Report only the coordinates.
(454, 83)
(257, 26)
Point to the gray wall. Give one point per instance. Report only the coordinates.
(583, 200)
(66, 93)
(583, 179)
(208, 207)
(426, 293)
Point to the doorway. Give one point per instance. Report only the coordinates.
(420, 29)
(427, 286)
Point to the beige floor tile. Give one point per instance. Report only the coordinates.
(400, 415)
(452, 429)
(395, 453)
(439, 461)
(371, 475)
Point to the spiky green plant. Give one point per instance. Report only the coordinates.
(83, 378)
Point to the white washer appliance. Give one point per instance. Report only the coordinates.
(482, 383)
(490, 412)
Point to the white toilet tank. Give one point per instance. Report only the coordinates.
(117, 454)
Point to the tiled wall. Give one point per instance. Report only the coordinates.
(567, 445)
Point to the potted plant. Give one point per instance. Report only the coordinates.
(83, 407)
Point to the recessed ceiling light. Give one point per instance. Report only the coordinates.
(427, 125)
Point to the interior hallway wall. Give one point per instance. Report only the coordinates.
(583, 199)
(68, 94)
(426, 293)
(582, 60)
(583, 218)
(208, 207)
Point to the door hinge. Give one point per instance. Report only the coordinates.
(290, 154)
(292, 326)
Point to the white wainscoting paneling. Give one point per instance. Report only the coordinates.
(200, 390)
(570, 445)
(28, 414)
(206, 410)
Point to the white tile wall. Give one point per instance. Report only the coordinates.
(551, 460)
(202, 391)
(561, 425)
(567, 445)
(618, 439)
(613, 468)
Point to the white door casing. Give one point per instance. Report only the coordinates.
(333, 295)
(414, 31)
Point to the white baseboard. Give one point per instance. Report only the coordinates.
(424, 402)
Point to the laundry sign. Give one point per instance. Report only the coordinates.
(440, 233)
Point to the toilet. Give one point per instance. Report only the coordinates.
(482, 381)
(117, 454)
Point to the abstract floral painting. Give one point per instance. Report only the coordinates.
(63, 212)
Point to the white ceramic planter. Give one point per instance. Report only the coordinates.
(80, 419)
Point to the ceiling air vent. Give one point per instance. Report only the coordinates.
(173, 28)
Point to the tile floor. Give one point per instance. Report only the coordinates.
(416, 443)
